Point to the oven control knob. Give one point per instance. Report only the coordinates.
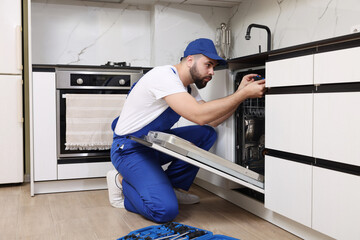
(79, 81)
(122, 82)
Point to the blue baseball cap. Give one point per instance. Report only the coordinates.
(206, 47)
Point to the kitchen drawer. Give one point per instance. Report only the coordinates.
(340, 66)
(288, 123)
(290, 72)
(288, 187)
(336, 205)
(83, 170)
(336, 127)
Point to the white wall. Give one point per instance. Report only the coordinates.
(292, 22)
(87, 33)
(177, 25)
(70, 32)
(80, 32)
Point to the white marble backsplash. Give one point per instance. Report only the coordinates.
(175, 26)
(292, 22)
(88, 33)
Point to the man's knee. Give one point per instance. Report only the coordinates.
(164, 213)
(209, 137)
(212, 133)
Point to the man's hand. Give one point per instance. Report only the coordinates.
(254, 89)
(246, 80)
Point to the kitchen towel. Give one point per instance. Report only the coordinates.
(89, 118)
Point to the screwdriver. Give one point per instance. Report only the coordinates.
(179, 236)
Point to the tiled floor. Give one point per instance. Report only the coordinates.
(88, 215)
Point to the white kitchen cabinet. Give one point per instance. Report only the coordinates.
(336, 207)
(324, 126)
(11, 128)
(44, 121)
(288, 123)
(288, 189)
(336, 127)
(11, 37)
(290, 72)
(341, 66)
(11, 92)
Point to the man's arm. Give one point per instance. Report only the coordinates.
(214, 111)
(244, 82)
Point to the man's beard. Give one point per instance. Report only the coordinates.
(198, 80)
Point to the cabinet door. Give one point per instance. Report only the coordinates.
(336, 207)
(44, 115)
(11, 37)
(11, 128)
(288, 189)
(337, 66)
(336, 127)
(290, 72)
(288, 123)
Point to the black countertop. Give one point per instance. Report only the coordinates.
(52, 67)
(336, 43)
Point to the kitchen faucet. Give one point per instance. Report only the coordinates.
(247, 36)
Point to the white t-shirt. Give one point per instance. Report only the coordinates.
(145, 101)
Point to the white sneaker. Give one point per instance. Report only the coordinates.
(186, 198)
(116, 196)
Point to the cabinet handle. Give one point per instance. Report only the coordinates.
(19, 101)
(19, 47)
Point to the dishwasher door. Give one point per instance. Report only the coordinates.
(188, 152)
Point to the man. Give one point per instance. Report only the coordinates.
(156, 103)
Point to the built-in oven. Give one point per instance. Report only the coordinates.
(87, 102)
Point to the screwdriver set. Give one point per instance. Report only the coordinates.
(173, 231)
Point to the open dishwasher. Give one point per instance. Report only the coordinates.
(188, 152)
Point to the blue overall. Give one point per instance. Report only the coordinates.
(147, 188)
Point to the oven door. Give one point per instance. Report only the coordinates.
(188, 152)
(84, 124)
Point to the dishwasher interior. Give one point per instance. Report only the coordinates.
(250, 131)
